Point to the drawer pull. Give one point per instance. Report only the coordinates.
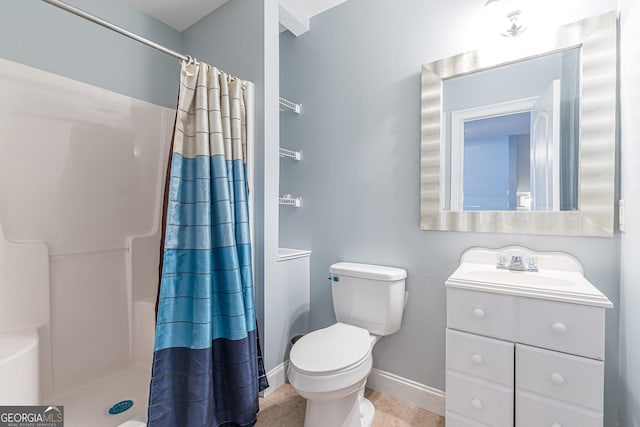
(478, 313)
(557, 379)
(559, 328)
(556, 425)
(476, 404)
(477, 359)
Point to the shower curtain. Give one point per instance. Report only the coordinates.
(207, 367)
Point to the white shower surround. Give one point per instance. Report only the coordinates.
(82, 172)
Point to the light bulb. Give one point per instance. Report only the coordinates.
(505, 16)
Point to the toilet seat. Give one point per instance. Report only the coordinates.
(331, 363)
(330, 350)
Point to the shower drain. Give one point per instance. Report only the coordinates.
(120, 407)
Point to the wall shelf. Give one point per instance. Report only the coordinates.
(285, 104)
(288, 200)
(285, 254)
(295, 155)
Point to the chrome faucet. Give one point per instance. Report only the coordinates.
(516, 263)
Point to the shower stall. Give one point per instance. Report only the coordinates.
(82, 183)
(82, 174)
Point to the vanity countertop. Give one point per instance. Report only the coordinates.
(559, 277)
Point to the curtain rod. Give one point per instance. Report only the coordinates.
(117, 29)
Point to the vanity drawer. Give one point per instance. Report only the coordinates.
(481, 313)
(535, 411)
(572, 379)
(480, 357)
(571, 328)
(456, 420)
(479, 400)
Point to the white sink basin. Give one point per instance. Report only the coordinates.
(560, 276)
(545, 279)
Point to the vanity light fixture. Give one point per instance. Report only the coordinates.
(507, 14)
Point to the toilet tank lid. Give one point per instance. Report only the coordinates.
(368, 271)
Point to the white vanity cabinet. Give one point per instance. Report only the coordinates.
(524, 348)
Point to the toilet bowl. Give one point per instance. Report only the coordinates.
(329, 367)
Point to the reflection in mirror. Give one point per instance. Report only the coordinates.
(512, 141)
(570, 188)
(496, 171)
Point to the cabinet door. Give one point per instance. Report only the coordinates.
(572, 379)
(456, 420)
(482, 313)
(535, 411)
(571, 328)
(480, 357)
(479, 400)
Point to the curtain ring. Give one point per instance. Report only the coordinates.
(186, 63)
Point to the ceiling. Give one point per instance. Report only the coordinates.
(508, 124)
(316, 7)
(181, 14)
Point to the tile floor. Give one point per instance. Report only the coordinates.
(284, 408)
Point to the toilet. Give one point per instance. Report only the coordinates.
(329, 367)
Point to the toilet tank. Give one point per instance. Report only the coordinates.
(368, 296)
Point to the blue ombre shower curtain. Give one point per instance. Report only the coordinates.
(207, 368)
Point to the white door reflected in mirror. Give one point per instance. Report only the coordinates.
(545, 150)
(510, 155)
(511, 160)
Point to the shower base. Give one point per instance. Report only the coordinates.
(89, 404)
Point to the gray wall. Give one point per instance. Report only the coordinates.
(42, 36)
(357, 73)
(230, 38)
(514, 81)
(630, 241)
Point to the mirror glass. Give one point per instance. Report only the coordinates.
(511, 136)
(520, 136)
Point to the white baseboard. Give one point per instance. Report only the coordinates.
(276, 377)
(407, 391)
